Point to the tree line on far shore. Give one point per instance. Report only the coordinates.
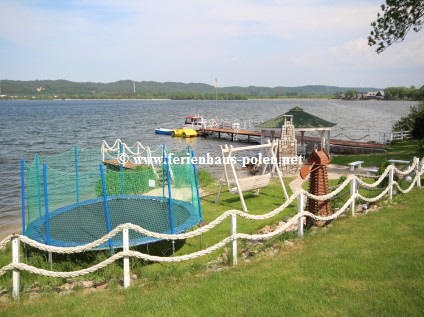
(390, 93)
(402, 93)
(60, 89)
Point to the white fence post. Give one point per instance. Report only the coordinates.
(391, 177)
(15, 273)
(352, 193)
(417, 171)
(233, 233)
(300, 208)
(127, 279)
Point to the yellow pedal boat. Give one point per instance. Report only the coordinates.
(184, 133)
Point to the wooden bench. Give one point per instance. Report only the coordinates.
(398, 161)
(371, 170)
(353, 164)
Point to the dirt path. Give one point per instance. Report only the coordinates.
(334, 172)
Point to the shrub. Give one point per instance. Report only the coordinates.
(134, 182)
(205, 178)
(420, 148)
(342, 197)
(413, 122)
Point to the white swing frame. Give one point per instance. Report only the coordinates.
(251, 183)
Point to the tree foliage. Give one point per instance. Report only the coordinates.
(404, 93)
(351, 94)
(395, 21)
(413, 122)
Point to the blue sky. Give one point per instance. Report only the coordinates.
(240, 42)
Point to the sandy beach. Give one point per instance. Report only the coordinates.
(9, 227)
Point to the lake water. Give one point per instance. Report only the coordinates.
(52, 127)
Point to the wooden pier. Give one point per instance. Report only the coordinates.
(115, 164)
(230, 132)
(249, 134)
(344, 143)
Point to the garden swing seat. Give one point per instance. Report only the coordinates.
(252, 183)
(237, 185)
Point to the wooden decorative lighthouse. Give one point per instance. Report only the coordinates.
(318, 185)
(288, 145)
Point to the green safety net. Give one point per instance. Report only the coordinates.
(73, 198)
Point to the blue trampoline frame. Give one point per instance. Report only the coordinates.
(34, 230)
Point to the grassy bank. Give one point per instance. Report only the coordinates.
(398, 150)
(370, 265)
(269, 199)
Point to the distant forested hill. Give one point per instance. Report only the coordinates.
(65, 88)
(300, 90)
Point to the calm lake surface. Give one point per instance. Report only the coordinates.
(52, 127)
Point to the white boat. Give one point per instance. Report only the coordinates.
(195, 122)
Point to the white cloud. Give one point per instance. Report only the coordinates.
(357, 52)
(245, 41)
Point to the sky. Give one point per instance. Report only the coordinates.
(239, 42)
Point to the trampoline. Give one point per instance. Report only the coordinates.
(164, 200)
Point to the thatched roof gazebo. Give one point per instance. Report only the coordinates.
(303, 122)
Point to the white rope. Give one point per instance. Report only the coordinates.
(6, 240)
(406, 172)
(332, 194)
(378, 181)
(404, 191)
(212, 224)
(35, 270)
(118, 229)
(116, 147)
(119, 255)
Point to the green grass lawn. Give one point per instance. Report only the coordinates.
(269, 199)
(398, 150)
(369, 265)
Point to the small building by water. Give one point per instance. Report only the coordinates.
(303, 122)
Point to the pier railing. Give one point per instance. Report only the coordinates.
(387, 138)
(412, 172)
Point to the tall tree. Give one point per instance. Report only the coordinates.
(351, 94)
(395, 21)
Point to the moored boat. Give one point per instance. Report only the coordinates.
(195, 122)
(163, 131)
(184, 133)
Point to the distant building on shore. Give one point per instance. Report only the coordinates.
(378, 95)
(375, 95)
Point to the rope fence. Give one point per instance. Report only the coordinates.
(416, 169)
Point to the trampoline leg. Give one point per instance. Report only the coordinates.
(173, 247)
(51, 260)
(201, 239)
